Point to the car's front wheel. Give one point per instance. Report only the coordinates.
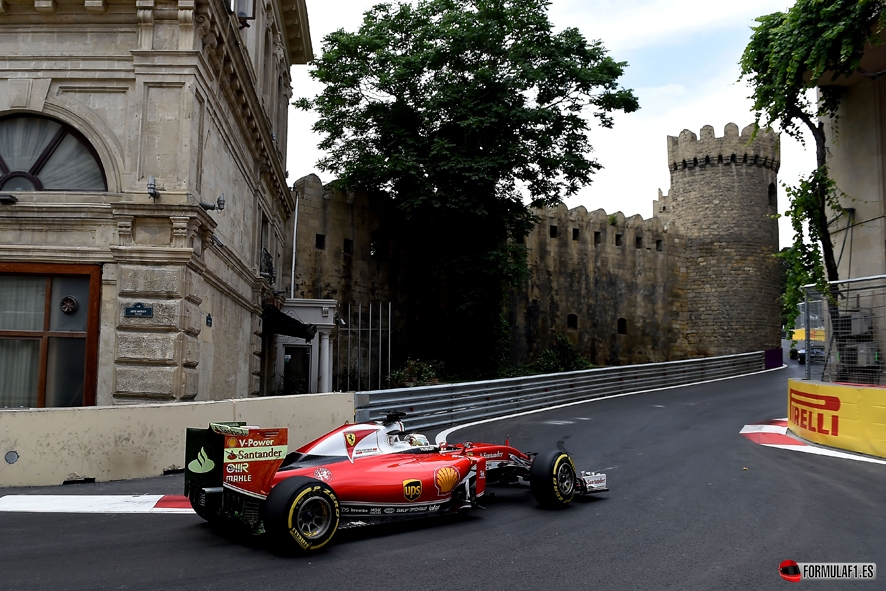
(552, 479)
(302, 513)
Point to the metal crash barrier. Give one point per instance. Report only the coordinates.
(449, 404)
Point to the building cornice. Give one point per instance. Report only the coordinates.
(229, 62)
(298, 33)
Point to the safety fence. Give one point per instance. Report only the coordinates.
(449, 404)
(843, 333)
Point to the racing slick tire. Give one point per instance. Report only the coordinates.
(552, 479)
(208, 513)
(302, 513)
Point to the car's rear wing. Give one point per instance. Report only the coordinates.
(233, 456)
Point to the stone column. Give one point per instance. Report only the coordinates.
(324, 362)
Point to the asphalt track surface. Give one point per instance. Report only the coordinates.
(694, 506)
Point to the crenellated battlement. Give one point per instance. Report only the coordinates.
(688, 151)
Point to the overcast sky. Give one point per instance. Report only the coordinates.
(682, 65)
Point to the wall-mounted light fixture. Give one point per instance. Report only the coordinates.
(215, 240)
(152, 187)
(219, 204)
(8, 199)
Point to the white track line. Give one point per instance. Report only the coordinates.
(763, 429)
(794, 443)
(443, 435)
(821, 451)
(86, 504)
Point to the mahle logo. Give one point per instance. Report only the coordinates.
(202, 464)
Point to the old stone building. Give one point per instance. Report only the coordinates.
(143, 196)
(856, 148)
(611, 284)
(723, 198)
(695, 280)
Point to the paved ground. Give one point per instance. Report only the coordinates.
(694, 505)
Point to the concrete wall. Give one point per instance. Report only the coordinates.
(114, 443)
(856, 163)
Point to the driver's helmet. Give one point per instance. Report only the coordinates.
(417, 440)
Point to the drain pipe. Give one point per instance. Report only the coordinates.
(294, 241)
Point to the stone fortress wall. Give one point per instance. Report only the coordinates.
(611, 284)
(724, 198)
(697, 279)
(336, 256)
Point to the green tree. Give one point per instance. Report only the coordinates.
(811, 45)
(465, 114)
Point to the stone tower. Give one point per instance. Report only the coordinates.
(722, 198)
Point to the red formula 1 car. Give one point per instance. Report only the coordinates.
(357, 475)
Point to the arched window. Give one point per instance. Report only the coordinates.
(42, 154)
(572, 321)
(622, 326)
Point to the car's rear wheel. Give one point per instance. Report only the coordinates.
(302, 513)
(552, 479)
(205, 505)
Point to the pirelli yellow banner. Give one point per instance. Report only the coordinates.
(847, 417)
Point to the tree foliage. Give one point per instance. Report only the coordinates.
(465, 114)
(812, 45)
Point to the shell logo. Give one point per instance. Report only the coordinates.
(446, 478)
(232, 442)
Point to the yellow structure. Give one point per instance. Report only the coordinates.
(846, 417)
(815, 334)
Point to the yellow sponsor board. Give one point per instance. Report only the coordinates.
(815, 334)
(843, 416)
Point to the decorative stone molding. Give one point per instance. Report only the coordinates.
(298, 37)
(3, 6)
(186, 24)
(46, 6)
(145, 23)
(194, 240)
(96, 6)
(124, 230)
(180, 231)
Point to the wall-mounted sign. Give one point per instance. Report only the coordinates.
(138, 310)
(209, 320)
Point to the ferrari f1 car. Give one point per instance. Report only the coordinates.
(357, 474)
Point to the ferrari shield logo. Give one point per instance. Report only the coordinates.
(353, 438)
(412, 489)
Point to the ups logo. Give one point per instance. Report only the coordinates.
(412, 489)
